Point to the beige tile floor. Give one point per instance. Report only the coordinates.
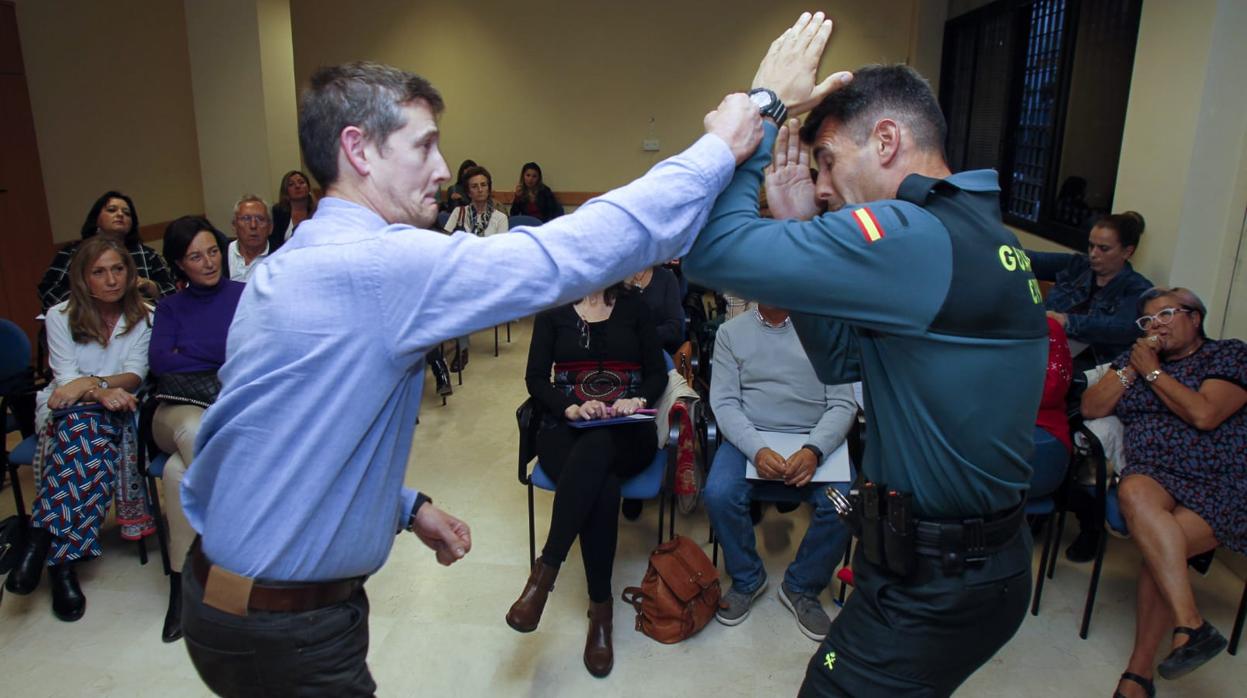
(439, 631)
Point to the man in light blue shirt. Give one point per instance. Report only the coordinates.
(330, 337)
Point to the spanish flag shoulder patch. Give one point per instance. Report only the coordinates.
(869, 225)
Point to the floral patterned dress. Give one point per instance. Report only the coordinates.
(1205, 471)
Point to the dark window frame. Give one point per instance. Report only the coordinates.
(1018, 13)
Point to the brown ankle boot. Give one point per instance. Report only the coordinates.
(599, 653)
(525, 613)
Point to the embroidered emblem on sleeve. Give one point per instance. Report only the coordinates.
(869, 225)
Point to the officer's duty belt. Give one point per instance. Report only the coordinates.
(970, 540)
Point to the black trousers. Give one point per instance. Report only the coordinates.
(310, 653)
(923, 635)
(587, 466)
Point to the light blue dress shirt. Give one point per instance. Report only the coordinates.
(299, 465)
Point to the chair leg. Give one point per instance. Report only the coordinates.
(18, 502)
(495, 341)
(714, 548)
(671, 521)
(532, 529)
(1238, 621)
(1060, 530)
(459, 353)
(1049, 528)
(508, 332)
(1092, 587)
(162, 531)
(662, 510)
(142, 542)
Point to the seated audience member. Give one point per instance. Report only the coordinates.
(252, 226)
(187, 349)
(533, 197)
(113, 216)
(295, 204)
(660, 290)
(480, 215)
(1095, 294)
(763, 382)
(1180, 396)
(606, 361)
(1050, 459)
(457, 193)
(97, 341)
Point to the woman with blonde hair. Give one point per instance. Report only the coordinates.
(98, 341)
(295, 204)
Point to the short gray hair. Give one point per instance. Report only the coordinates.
(1185, 297)
(366, 95)
(249, 199)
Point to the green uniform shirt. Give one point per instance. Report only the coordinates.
(945, 328)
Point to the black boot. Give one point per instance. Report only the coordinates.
(25, 577)
(68, 602)
(173, 617)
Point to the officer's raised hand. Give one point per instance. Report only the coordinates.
(790, 66)
(789, 189)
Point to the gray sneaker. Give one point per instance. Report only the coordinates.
(811, 618)
(734, 605)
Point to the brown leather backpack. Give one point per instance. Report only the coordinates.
(680, 592)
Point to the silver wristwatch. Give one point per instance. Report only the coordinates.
(769, 104)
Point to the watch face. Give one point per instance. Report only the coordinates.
(762, 99)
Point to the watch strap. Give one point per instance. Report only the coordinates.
(776, 109)
(818, 452)
(421, 500)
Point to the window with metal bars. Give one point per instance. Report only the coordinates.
(1037, 89)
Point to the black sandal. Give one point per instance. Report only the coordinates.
(1205, 643)
(1145, 683)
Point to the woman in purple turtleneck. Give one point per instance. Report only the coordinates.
(188, 337)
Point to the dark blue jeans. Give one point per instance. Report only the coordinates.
(728, 495)
(309, 653)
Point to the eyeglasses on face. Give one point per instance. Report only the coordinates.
(250, 219)
(1164, 317)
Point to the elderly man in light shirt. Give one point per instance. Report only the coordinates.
(252, 224)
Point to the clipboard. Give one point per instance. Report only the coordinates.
(834, 468)
(609, 421)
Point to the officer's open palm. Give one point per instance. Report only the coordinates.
(790, 66)
(446, 535)
(789, 189)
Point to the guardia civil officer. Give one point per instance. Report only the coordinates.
(911, 284)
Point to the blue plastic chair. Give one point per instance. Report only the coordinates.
(657, 480)
(16, 378)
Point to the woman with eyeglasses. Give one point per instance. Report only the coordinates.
(604, 355)
(1094, 294)
(1180, 396)
(186, 352)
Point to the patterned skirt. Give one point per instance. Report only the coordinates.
(87, 461)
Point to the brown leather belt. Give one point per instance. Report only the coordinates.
(284, 598)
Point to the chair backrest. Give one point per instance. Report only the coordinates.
(14, 350)
(518, 220)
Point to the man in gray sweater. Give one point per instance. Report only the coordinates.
(762, 381)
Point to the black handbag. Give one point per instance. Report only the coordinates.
(199, 388)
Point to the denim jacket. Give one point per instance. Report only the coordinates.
(1108, 325)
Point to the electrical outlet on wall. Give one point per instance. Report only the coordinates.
(650, 145)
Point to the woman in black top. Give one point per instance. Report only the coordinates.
(660, 290)
(533, 197)
(606, 361)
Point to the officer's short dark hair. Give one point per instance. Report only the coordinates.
(362, 94)
(877, 91)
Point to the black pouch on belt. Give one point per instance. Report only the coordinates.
(872, 524)
(898, 534)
